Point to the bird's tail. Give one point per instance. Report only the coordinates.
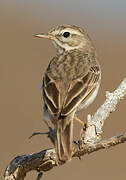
(64, 138)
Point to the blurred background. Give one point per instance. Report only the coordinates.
(23, 60)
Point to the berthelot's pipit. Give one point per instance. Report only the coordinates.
(70, 83)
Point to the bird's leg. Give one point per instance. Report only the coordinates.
(80, 121)
(79, 142)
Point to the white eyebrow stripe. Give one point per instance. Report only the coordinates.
(72, 31)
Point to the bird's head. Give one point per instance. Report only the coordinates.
(68, 37)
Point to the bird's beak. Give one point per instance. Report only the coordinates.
(47, 36)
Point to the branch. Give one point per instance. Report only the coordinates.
(95, 123)
(46, 159)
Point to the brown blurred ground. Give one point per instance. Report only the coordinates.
(23, 60)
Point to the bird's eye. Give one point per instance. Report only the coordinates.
(66, 34)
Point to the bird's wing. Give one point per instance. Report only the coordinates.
(79, 90)
(51, 94)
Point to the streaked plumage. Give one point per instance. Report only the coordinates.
(71, 83)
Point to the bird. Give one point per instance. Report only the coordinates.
(70, 83)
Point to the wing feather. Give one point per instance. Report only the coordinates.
(83, 88)
(78, 91)
(51, 94)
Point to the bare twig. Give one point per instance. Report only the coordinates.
(46, 159)
(38, 133)
(95, 123)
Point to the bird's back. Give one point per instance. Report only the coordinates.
(62, 74)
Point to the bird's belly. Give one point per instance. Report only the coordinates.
(88, 101)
